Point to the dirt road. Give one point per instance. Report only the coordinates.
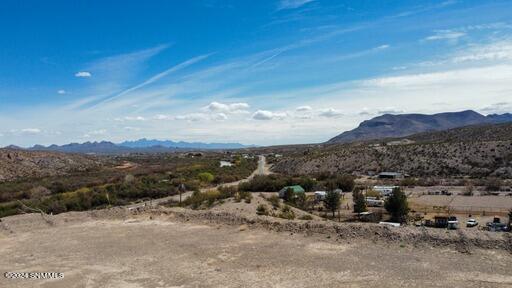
(262, 169)
(163, 252)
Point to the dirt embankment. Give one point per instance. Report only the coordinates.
(462, 240)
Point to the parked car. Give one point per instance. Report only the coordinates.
(471, 223)
(453, 223)
(496, 227)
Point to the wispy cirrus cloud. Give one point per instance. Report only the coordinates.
(292, 4)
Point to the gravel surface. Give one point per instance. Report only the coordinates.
(182, 248)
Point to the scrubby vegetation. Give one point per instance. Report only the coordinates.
(286, 213)
(152, 176)
(275, 182)
(262, 209)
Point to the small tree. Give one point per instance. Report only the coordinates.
(359, 201)
(345, 182)
(397, 205)
(205, 177)
(332, 201)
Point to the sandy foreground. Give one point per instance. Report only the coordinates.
(168, 251)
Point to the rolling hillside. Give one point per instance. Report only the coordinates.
(479, 151)
(15, 163)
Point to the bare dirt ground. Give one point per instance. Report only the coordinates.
(177, 247)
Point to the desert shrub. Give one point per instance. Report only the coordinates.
(227, 191)
(275, 201)
(199, 199)
(8, 209)
(408, 182)
(493, 184)
(286, 213)
(262, 209)
(306, 217)
(468, 189)
(243, 195)
(39, 192)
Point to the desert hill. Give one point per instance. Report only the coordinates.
(15, 163)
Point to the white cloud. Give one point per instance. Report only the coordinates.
(498, 108)
(162, 117)
(304, 108)
(192, 117)
(497, 51)
(268, 115)
(31, 130)
(227, 108)
(445, 35)
(132, 118)
(381, 47)
(330, 113)
(61, 92)
(479, 75)
(130, 128)
(219, 117)
(292, 4)
(82, 74)
(98, 132)
(390, 110)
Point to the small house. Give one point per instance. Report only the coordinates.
(295, 189)
(390, 175)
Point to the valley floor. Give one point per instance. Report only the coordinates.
(95, 249)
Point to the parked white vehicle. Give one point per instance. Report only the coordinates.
(471, 223)
(320, 195)
(374, 202)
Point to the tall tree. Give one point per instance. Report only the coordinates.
(332, 201)
(359, 201)
(397, 205)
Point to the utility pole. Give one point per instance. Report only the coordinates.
(181, 189)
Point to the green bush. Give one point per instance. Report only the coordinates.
(205, 177)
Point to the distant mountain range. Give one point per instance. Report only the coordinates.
(145, 143)
(392, 126)
(138, 146)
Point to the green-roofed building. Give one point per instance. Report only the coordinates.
(295, 188)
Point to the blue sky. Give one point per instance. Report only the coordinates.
(255, 72)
